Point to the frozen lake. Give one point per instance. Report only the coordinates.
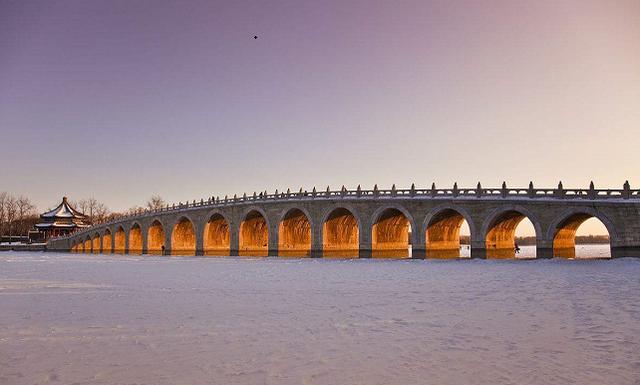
(95, 319)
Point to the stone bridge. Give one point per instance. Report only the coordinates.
(370, 223)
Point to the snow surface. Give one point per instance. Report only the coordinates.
(94, 319)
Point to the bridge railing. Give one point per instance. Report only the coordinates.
(479, 192)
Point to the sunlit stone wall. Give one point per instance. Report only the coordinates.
(155, 238)
(119, 241)
(106, 243)
(95, 244)
(254, 235)
(340, 234)
(217, 236)
(443, 234)
(183, 238)
(135, 240)
(390, 235)
(294, 235)
(500, 240)
(564, 243)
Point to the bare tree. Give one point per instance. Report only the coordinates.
(155, 202)
(100, 212)
(11, 210)
(80, 205)
(24, 209)
(134, 210)
(91, 205)
(112, 216)
(3, 212)
(94, 210)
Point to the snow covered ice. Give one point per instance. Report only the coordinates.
(95, 319)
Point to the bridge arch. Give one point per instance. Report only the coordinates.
(499, 230)
(295, 233)
(341, 231)
(156, 238)
(183, 237)
(119, 242)
(87, 245)
(254, 233)
(135, 239)
(393, 231)
(217, 234)
(564, 227)
(95, 244)
(441, 229)
(106, 242)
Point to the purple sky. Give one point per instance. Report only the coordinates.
(124, 99)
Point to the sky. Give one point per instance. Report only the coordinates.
(120, 100)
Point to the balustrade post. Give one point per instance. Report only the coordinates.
(626, 190)
(531, 192)
(560, 192)
(591, 194)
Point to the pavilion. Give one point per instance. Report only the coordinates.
(62, 220)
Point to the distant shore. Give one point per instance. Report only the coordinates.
(531, 240)
(23, 247)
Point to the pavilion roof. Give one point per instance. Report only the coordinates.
(64, 210)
